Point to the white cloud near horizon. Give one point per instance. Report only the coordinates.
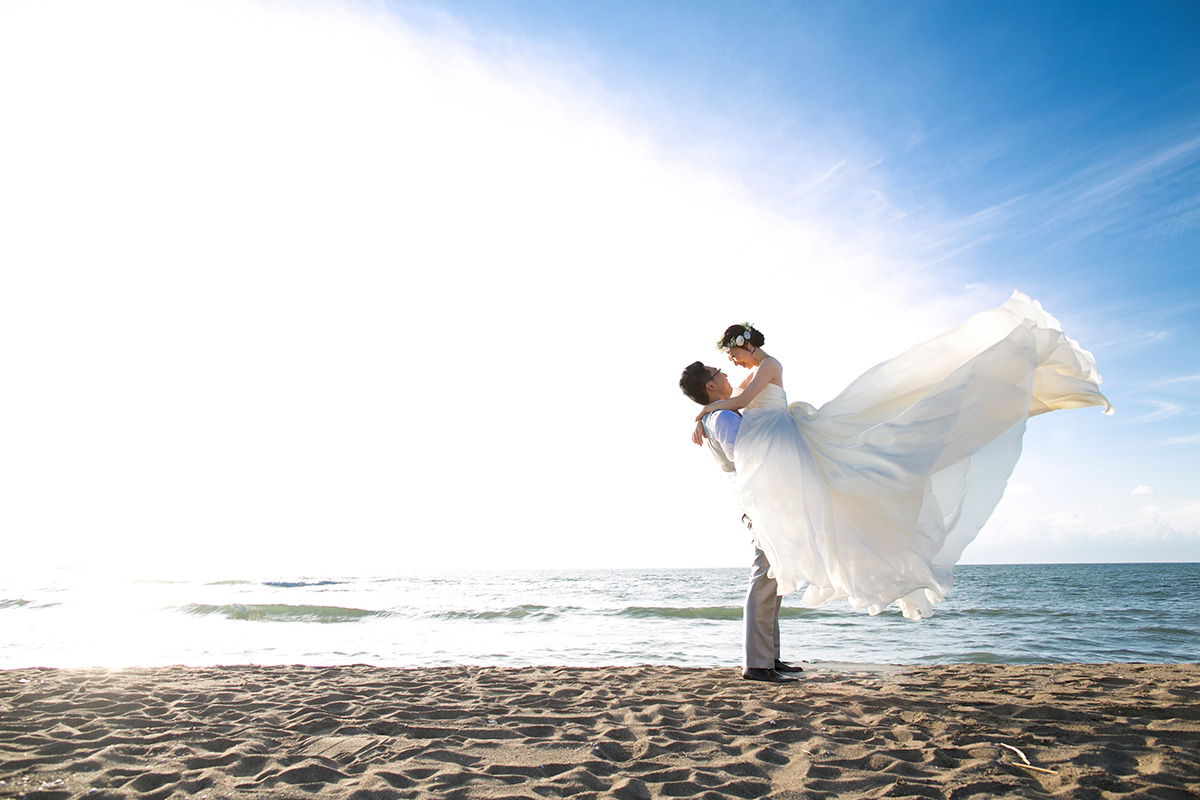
(1151, 540)
(1032, 529)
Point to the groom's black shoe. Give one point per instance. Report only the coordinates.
(768, 675)
(781, 666)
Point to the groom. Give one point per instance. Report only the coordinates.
(705, 385)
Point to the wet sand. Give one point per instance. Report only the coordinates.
(844, 731)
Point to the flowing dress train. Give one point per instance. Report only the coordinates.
(873, 497)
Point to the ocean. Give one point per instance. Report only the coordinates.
(1012, 614)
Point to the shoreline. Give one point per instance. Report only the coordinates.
(845, 730)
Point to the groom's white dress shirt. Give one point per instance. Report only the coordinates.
(722, 427)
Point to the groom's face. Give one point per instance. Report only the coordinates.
(718, 384)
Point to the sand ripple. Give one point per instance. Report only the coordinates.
(1088, 731)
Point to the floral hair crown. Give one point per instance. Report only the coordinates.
(738, 341)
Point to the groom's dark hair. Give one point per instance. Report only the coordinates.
(692, 382)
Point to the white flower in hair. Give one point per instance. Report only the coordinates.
(740, 341)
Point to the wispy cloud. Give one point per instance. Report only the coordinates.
(1165, 411)
(1128, 337)
(1189, 439)
(1184, 379)
(1122, 175)
(1143, 189)
(1131, 184)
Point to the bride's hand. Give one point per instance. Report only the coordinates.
(708, 409)
(698, 433)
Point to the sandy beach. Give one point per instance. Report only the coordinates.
(845, 731)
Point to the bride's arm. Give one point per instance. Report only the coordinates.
(769, 371)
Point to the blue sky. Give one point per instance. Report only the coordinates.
(300, 286)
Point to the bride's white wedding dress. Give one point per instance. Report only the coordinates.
(873, 497)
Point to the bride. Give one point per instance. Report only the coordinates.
(873, 497)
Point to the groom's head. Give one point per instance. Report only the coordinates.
(705, 384)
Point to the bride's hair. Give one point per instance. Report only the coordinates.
(692, 382)
(729, 339)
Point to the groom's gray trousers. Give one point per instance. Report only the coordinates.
(761, 615)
